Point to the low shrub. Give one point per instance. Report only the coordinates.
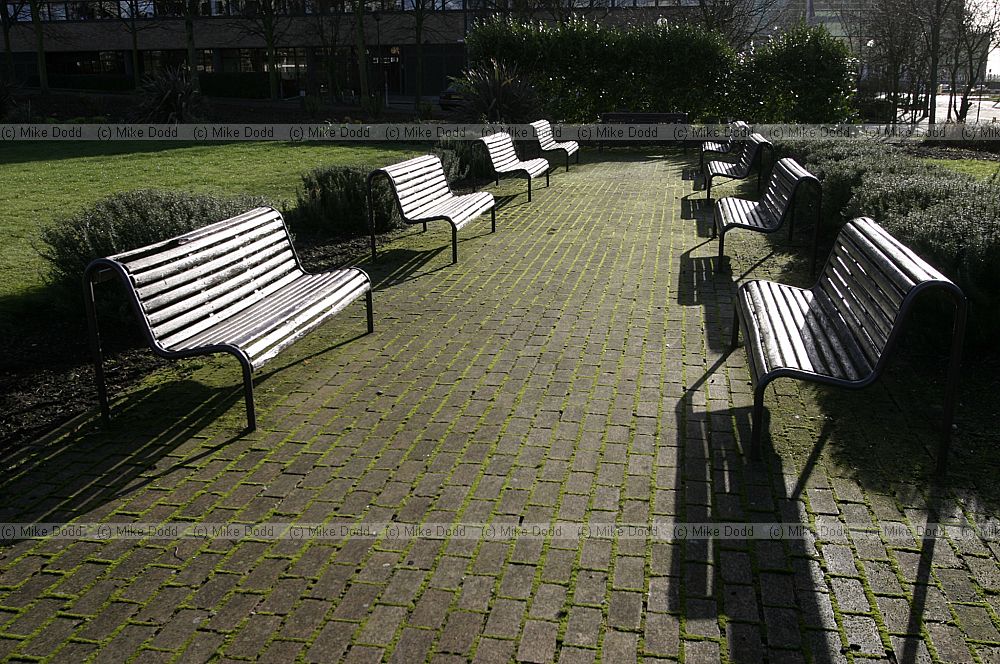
(127, 221)
(334, 203)
(468, 159)
(950, 219)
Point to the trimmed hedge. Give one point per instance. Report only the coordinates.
(581, 68)
(951, 219)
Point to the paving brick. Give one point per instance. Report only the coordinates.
(538, 642)
(580, 376)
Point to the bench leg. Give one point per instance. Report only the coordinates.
(722, 247)
(425, 226)
(567, 161)
(546, 177)
(951, 388)
(757, 423)
(369, 310)
(248, 396)
(95, 349)
(578, 155)
(735, 339)
(529, 188)
(493, 218)
(454, 245)
(708, 188)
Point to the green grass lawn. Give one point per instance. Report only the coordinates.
(976, 167)
(43, 182)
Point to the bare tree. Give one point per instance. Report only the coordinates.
(361, 50)
(10, 15)
(36, 24)
(933, 16)
(894, 49)
(976, 31)
(131, 15)
(268, 20)
(327, 19)
(741, 21)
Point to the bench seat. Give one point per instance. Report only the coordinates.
(751, 154)
(769, 213)
(843, 329)
(235, 286)
(422, 194)
(738, 132)
(504, 159)
(547, 143)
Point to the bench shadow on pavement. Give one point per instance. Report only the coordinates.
(757, 583)
(60, 479)
(700, 210)
(699, 284)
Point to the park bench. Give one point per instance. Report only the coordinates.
(738, 132)
(751, 154)
(422, 194)
(769, 213)
(235, 286)
(504, 159)
(546, 142)
(843, 329)
(641, 118)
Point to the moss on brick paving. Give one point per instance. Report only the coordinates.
(574, 365)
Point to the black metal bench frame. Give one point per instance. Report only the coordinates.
(776, 205)
(739, 131)
(504, 160)
(422, 194)
(236, 286)
(751, 154)
(852, 321)
(640, 118)
(547, 143)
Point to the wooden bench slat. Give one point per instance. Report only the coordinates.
(202, 302)
(422, 194)
(842, 330)
(776, 205)
(235, 286)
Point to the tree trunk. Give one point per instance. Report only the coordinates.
(5, 21)
(36, 23)
(135, 50)
(362, 52)
(420, 61)
(192, 9)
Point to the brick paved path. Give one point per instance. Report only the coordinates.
(572, 367)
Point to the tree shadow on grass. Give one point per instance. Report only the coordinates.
(26, 152)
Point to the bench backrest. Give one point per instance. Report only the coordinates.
(786, 177)
(417, 184)
(543, 130)
(183, 285)
(739, 131)
(501, 149)
(868, 284)
(751, 152)
(630, 117)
